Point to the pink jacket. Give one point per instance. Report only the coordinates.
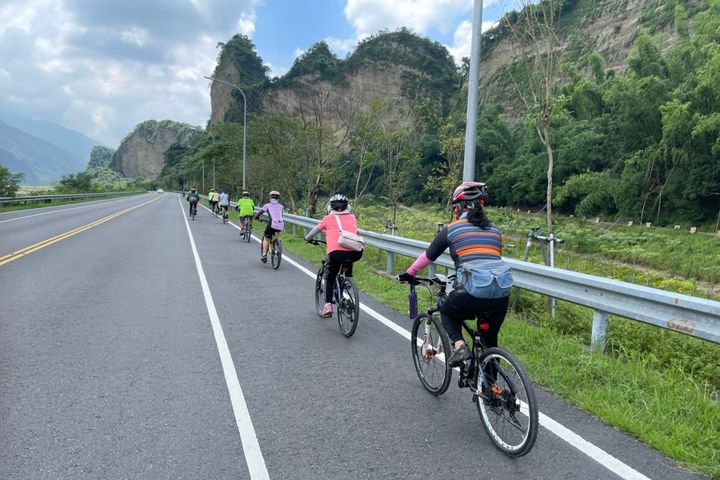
(332, 232)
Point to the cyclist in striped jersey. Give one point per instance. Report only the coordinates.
(471, 237)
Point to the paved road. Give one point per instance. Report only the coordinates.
(114, 363)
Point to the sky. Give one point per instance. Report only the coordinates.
(103, 66)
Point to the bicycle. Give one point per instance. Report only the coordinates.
(274, 250)
(246, 232)
(501, 388)
(193, 210)
(345, 296)
(224, 214)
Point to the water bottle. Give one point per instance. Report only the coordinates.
(412, 302)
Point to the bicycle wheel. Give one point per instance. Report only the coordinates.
(320, 290)
(348, 306)
(248, 231)
(507, 407)
(430, 344)
(276, 254)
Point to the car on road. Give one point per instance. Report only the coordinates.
(160, 190)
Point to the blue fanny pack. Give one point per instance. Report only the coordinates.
(485, 278)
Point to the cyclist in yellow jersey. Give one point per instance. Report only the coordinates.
(246, 206)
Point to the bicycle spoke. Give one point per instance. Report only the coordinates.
(505, 389)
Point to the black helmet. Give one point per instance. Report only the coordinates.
(338, 202)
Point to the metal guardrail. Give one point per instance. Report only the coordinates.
(697, 317)
(69, 196)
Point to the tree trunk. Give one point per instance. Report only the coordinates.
(544, 134)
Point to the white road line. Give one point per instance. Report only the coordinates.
(251, 447)
(85, 205)
(591, 450)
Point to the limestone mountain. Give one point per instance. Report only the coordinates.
(398, 67)
(605, 29)
(140, 154)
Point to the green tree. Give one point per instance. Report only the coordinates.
(9, 182)
(100, 156)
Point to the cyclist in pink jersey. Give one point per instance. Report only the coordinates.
(276, 224)
(338, 215)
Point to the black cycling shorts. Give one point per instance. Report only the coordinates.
(269, 231)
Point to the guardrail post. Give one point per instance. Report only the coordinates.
(294, 230)
(305, 232)
(432, 270)
(599, 327)
(390, 262)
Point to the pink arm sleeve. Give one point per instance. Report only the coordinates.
(421, 262)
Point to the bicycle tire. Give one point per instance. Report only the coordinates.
(348, 306)
(276, 257)
(429, 353)
(320, 290)
(511, 392)
(248, 231)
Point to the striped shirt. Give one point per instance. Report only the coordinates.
(466, 243)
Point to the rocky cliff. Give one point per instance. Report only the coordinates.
(395, 67)
(605, 27)
(140, 154)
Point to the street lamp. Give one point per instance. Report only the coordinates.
(473, 85)
(213, 79)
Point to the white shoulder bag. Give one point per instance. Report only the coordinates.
(348, 239)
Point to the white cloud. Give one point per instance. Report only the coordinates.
(274, 71)
(17, 15)
(135, 36)
(100, 68)
(341, 46)
(246, 24)
(369, 16)
(462, 40)
(298, 51)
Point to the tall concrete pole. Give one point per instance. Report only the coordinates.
(472, 101)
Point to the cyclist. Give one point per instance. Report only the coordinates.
(211, 199)
(338, 213)
(246, 206)
(193, 197)
(275, 224)
(471, 237)
(223, 202)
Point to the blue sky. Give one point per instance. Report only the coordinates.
(103, 66)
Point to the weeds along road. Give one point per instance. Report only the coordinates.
(125, 353)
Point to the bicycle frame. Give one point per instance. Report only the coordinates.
(477, 346)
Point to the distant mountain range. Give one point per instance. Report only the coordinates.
(43, 151)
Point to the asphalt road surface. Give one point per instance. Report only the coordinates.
(137, 344)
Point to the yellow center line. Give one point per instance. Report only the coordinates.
(49, 241)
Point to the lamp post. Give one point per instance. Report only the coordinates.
(213, 79)
(473, 85)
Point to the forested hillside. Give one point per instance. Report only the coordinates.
(635, 125)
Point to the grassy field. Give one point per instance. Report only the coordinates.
(660, 386)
